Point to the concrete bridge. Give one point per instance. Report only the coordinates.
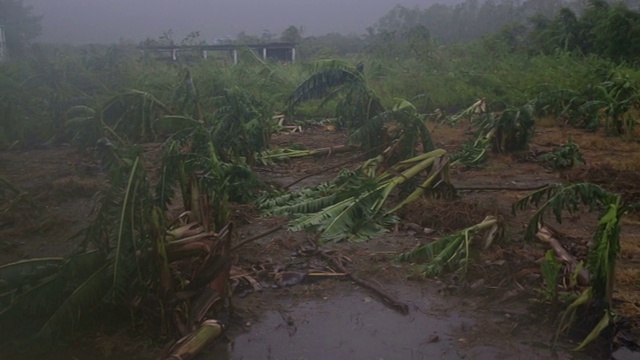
(277, 51)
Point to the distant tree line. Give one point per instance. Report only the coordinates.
(472, 19)
(605, 28)
(20, 25)
(611, 31)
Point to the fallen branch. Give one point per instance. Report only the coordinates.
(256, 237)
(546, 235)
(386, 298)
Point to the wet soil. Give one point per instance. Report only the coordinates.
(347, 323)
(486, 315)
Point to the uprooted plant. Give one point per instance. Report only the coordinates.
(603, 253)
(451, 252)
(353, 206)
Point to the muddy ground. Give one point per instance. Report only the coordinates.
(492, 313)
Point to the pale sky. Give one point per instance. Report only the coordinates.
(90, 21)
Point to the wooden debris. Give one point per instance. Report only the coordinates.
(382, 295)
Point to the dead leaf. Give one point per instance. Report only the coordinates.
(289, 278)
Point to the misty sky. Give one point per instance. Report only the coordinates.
(99, 21)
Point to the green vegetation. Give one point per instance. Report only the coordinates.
(215, 122)
(606, 242)
(563, 157)
(20, 25)
(453, 251)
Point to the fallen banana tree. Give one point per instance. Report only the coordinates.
(269, 157)
(169, 273)
(601, 262)
(549, 236)
(474, 153)
(353, 206)
(452, 252)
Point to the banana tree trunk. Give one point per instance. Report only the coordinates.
(191, 345)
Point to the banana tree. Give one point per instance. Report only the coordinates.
(360, 109)
(338, 80)
(354, 207)
(135, 256)
(503, 131)
(453, 251)
(241, 126)
(606, 241)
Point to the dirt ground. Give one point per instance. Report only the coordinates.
(490, 313)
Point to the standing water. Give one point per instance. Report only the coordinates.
(349, 324)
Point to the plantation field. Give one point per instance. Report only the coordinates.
(499, 292)
(486, 187)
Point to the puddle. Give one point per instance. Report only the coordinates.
(625, 354)
(352, 325)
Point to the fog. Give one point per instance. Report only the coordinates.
(104, 21)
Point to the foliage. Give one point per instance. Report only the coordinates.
(507, 130)
(605, 250)
(140, 258)
(462, 21)
(403, 129)
(550, 269)
(20, 25)
(609, 31)
(330, 45)
(610, 103)
(335, 79)
(606, 242)
(352, 207)
(242, 126)
(563, 157)
(473, 153)
(451, 251)
(292, 34)
(513, 129)
(559, 198)
(361, 110)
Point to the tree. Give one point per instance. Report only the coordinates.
(20, 24)
(292, 34)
